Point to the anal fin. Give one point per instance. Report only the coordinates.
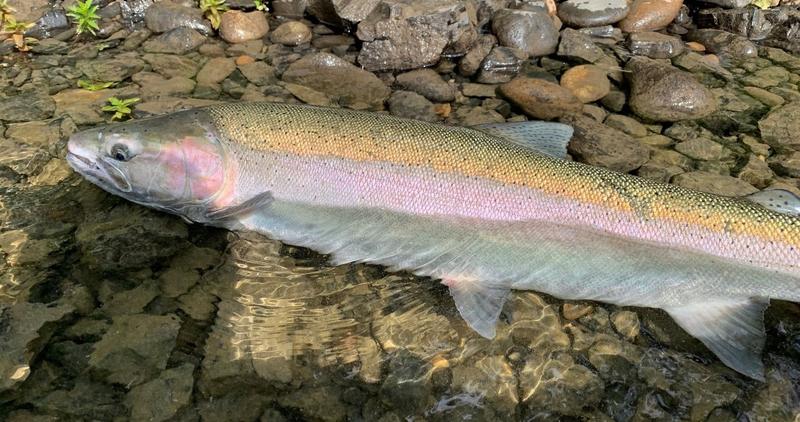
(478, 304)
(732, 328)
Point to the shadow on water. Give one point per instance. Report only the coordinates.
(111, 310)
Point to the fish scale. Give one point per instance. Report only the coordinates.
(485, 209)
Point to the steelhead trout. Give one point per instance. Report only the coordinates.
(484, 209)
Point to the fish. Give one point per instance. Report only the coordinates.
(484, 209)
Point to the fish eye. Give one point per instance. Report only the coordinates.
(120, 152)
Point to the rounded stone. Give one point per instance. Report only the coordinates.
(540, 99)
(238, 27)
(650, 15)
(530, 31)
(291, 33)
(663, 93)
(587, 82)
(592, 13)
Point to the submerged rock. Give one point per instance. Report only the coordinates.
(26, 107)
(776, 27)
(780, 128)
(162, 398)
(724, 43)
(135, 348)
(26, 328)
(402, 35)
(661, 92)
(347, 84)
(600, 145)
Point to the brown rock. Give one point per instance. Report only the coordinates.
(650, 15)
(291, 33)
(599, 145)
(587, 82)
(237, 26)
(714, 183)
(539, 98)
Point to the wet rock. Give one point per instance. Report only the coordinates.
(478, 90)
(84, 399)
(407, 387)
(530, 31)
(477, 116)
(164, 16)
(134, 11)
(198, 304)
(111, 70)
(215, 70)
(135, 348)
(348, 85)
(26, 329)
(258, 73)
(291, 33)
(130, 238)
(764, 96)
(84, 107)
(756, 172)
(539, 98)
(714, 183)
(471, 61)
(780, 127)
(724, 43)
(660, 92)
(654, 45)
(767, 77)
(491, 378)
(577, 45)
(308, 95)
(599, 145)
(128, 302)
(786, 164)
(626, 323)
(558, 384)
(704, 149)
(774, 27)
(626, 124)
(412, 106)
(289, 8)
(162, 398)
(427, 83)
(29, 10)
(169, 65)
(573, 311)
(233, 407)
(337, 11)
(177, 41)
(50, 46)
(592, 13)
(27, 106)
(501, 65)
(586, 82)
(732, 4)
(321, 403)
(400, 35)
(41, 134)
(238, 27)
(647, 15)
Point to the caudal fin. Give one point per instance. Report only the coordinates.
(732, 328)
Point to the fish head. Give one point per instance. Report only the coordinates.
(175, 163)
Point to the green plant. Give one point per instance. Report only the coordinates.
(212, 9)
(17, 31)
(85, 15)
(121, 108)
(260, 5)
(94, 86)
(5, 11)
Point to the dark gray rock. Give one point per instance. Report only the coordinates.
(289, 8)
(51, 23)
(731, 4)
(579, 46)
(412, 106)
(661, 92)
(723, 43)
(592, 13)
(134, 11)
(340, 80)
(178, 41)
(501, 65)
(471, 61)
(600, 145)
(27, 106)
(775, 27)
(531, 32)
(402, 35)
(165, 16)
(427, 83)
(654, 45)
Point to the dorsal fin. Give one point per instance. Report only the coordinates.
(544, 137)
(777, 200)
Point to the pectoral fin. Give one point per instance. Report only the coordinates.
(254, 203)
(778, 200)
(544, 137)
(478, 304)
(733, 329)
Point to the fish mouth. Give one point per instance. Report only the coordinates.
(100, 172)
